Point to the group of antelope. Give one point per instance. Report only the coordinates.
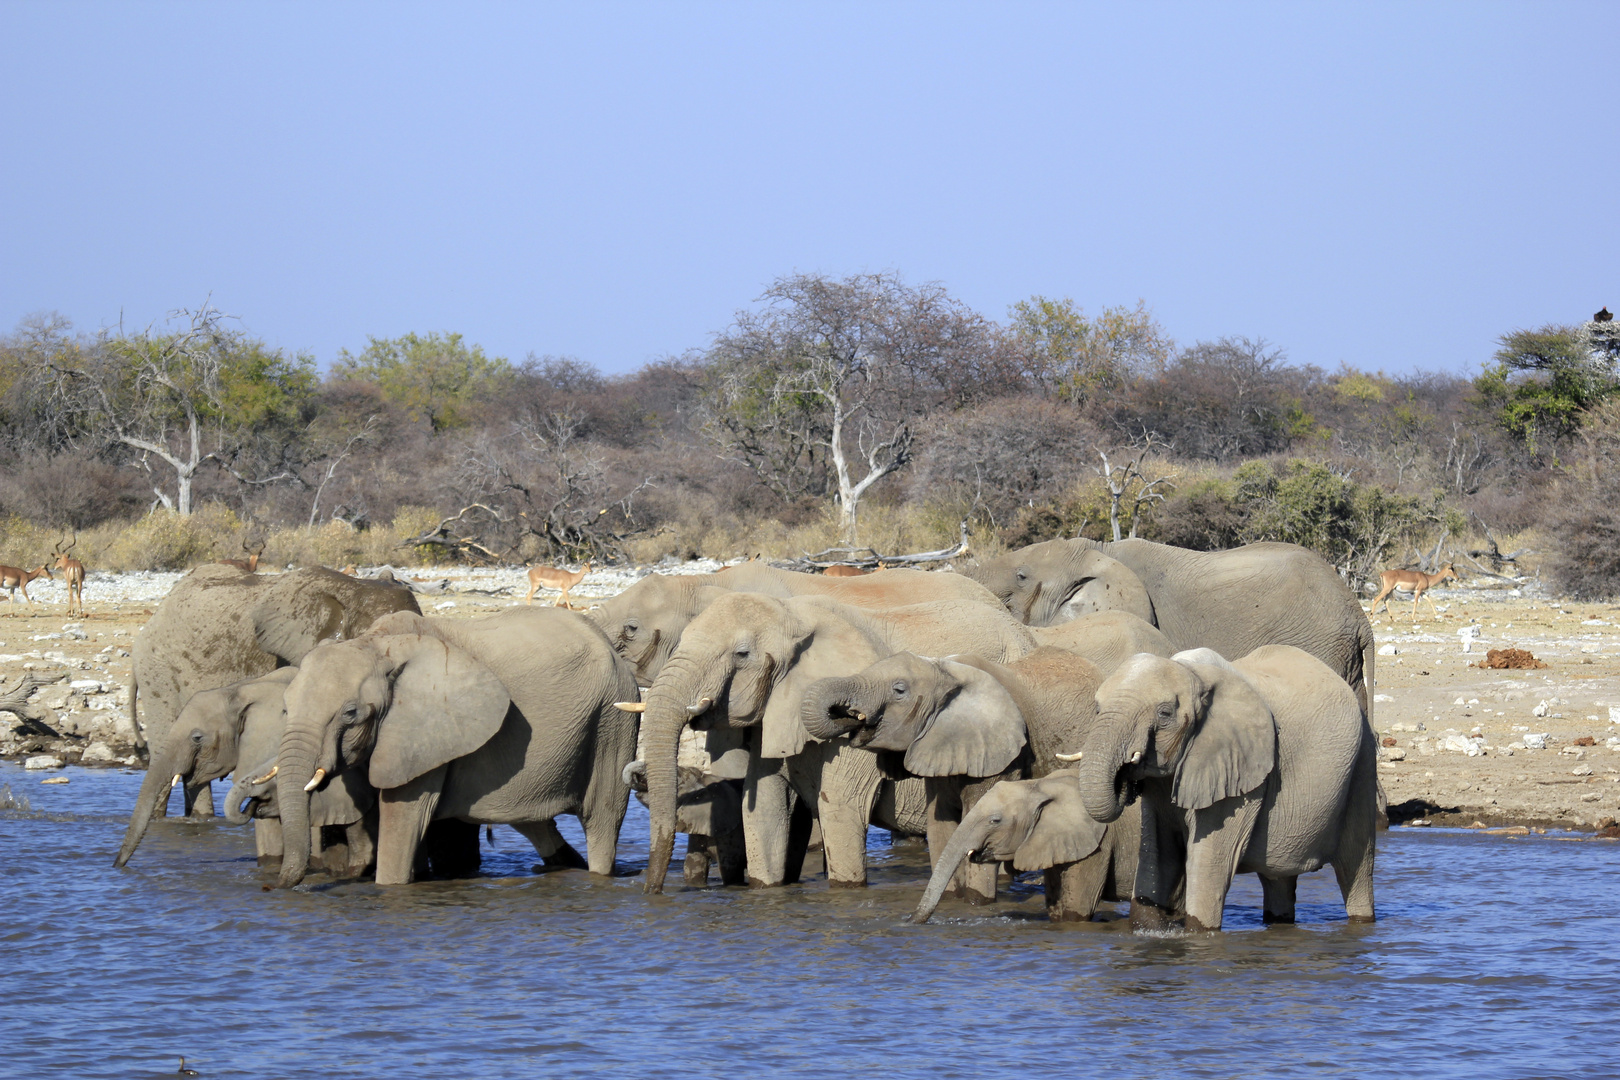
(13, 578)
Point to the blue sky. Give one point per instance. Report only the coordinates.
(1389, 186)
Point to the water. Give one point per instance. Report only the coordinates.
(1493, 957)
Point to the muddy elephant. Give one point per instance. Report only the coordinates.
(960, 719)
(740, 669)
(645, 621)
(508, 719)
(204, 744)
(709, 812)
(220, 625)
(1259, 765)
(1230, 601)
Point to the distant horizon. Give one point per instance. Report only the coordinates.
(1364, 186)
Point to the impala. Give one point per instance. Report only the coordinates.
(1414, 581)
(251, 563)
(12, 578)
(555, 578)
(72, 572)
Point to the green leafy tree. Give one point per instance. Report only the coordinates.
(433, 377)
(1076, 356)
(1545, 381)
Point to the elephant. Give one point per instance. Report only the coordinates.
(1230, 601)
(964, 717)
(709, 811)
(220, 625)
(645, 621)
(739, 671)
(508, 719)
(1261, 764)
(203, 744)
(1036, 825)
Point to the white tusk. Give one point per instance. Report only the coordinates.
(860, 716)
(176, 780)
(315, 781)
(700, 708)
(1136, 757)
(630, 706)
(1071, 757)
(271, 775)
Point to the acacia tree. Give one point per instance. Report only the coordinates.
(817, 392)
(1075, 357)
(190, 397)
(435, 377)
(1545, 381)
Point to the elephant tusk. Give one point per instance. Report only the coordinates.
(315, 781)
(1136, 758)
(700, 708)
(175, 782)
(630, 706)
(271, 775)
(1070, 757)
(860, 716)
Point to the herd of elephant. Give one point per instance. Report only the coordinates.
(1141, 722)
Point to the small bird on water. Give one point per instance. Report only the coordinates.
(183, 1071)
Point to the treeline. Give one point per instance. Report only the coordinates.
(864, 411)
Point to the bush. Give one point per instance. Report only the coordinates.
(1204, 517)
(1584, 562)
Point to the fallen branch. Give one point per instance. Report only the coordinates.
(872, 560)
(33, 717)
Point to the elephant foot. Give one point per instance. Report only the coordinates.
(760, 883)
(835, 883)
(1146, 915)
(1194, 926)
(975, 898)
(1363, 918)
(269, 860)
(565, 857)
(1281, 919)
(1067, 915)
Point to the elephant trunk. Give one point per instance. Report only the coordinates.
(969, 836)
(670, 701)
(1105, 785)
(295, 766)
(244, 789)
(153, 797)
(834, 707)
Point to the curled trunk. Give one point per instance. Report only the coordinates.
(827, 709)
(1104, 784)
(968, 838)
(152, 800)
(296, 764)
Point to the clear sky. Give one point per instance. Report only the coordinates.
(1390, 186)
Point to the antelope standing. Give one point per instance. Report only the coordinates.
(1416, 581)
(251, 563)
(12, 578)
(554, 578)
(72, 572)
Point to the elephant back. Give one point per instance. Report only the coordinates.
(300, 609)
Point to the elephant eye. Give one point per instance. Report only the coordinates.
(901, 689)
(1167, 710)
(1022, 576)
(742, 652)
(630, 629)
(995, 819)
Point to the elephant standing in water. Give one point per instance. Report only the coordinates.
(220, 625)
(1260, 765)
(1230, 601)
(508, 719)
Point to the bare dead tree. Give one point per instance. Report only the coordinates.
(366, 432)
(1127, 479)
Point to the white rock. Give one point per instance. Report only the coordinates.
(1459, 701)
(1392, 753)
(1535, 741)
(43, 761)
(1540, 710)
(1387, 650)
(1457, 744)
(1614, 710)
(445, 604)
(1581, 770)
(1382, 697)
(87, 686)
(46, 637)
(98, 753)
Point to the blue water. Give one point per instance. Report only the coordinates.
(1493, 957)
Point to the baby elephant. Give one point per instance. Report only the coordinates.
(709, 811)
(1259, 765)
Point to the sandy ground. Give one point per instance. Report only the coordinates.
(1459, 756)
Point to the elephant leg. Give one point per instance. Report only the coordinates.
(767, 808)
(849, 790)
(1353, 860)
(1279, 895)
(1220, 837)
(944, 815)
(550, 845)
(1123, 843)
(802, 828)
(978, 879)
(1073, 889)
(1160, 867)
(362, 844)
(732, 856)
(695, 871)
(451, 847)
(602, 835)
(403, 816)
(199, 800)
(267, 839)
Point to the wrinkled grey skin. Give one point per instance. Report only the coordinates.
(739, 671)
(709, 812)
(646, 620)
(1040, 825)
(962, 717)
(1230, 601)
(1260, 765)
(508, 719)
(220, 625)
(203, 745)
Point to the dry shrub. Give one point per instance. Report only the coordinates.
(163, 540)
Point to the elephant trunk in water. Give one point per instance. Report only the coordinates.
(160, 777)
(295, 766)
(249, 784)
(834, 707)
(1105, 786)
(671, 701)
(968, 838)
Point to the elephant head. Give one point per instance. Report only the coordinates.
(949, 717)
(1033, 824)
(743, 662)
(392, 707)
(1192, 717)
(645, 622)
(204, 744)
(1050, 583)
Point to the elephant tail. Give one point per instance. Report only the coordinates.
(142, 750)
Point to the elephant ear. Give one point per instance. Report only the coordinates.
(445, 705)
(306, 607)
(978, 732)
(728, 752)
(1064, 832)
(1233, 747)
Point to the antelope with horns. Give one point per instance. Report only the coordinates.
(72, 572)
(251, 563)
